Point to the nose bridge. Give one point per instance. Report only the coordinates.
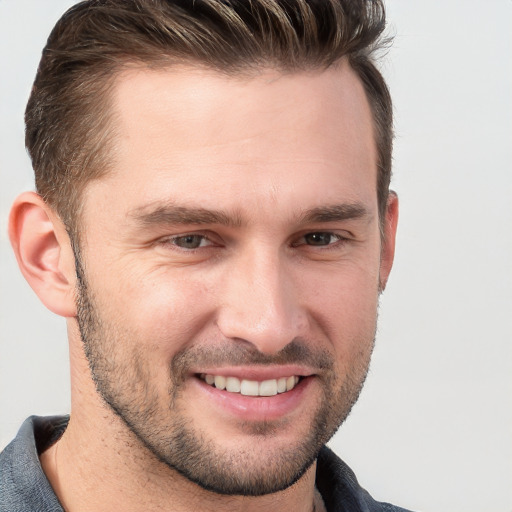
(260, 304)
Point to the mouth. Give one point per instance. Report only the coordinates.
(255, 393)
(247, 387)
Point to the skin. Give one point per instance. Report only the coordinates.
(279, 159)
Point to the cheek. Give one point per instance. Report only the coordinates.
(160, 309)
(345, 308)
(350, 287)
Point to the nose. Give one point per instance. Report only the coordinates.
(260, 303)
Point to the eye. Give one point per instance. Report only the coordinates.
(190, 241)
(321, 238)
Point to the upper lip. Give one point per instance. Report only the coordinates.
(258, 373)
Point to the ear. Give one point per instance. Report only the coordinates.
(43, 250)
(388, 239)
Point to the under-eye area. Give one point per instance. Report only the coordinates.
(248, 387)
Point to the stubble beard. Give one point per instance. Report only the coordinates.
(124, 383)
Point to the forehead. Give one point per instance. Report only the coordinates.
(193, 101)
(199, 134)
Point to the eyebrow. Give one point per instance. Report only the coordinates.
(335, 213)
(172, 214)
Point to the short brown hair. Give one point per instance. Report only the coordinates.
(68, 125)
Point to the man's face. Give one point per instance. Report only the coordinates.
(236, 241)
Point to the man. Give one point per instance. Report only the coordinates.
(213, 219)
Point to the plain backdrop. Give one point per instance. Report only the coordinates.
(433, 428)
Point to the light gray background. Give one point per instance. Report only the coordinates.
(433, 428)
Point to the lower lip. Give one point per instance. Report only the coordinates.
(250, 408)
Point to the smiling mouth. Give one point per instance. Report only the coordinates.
(247, 387)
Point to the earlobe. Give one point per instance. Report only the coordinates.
(388, 239)
(43, 251)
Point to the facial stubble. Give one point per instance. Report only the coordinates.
(125, 384)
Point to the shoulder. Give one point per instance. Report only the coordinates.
(340, 489)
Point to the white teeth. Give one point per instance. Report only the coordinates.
(281, 385)
(269, 387)
(249, 388)
(220, 382)
(233, 384)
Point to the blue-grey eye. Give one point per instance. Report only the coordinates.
(189, 241)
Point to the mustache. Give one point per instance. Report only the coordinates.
(241, 353)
